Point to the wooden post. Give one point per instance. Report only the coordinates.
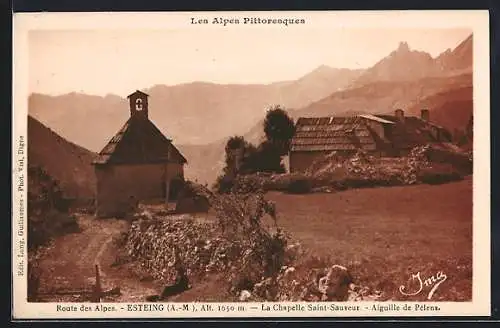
(96, 297)
(167, 191)
(167, 185)
(167, 178)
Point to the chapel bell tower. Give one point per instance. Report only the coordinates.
(138, 104)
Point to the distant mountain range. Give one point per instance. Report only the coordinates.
(193, 113)
(200, 116)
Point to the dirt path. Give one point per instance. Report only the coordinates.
(70, 262)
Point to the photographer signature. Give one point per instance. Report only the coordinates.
(433, 281)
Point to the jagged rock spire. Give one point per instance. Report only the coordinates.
(403, 46)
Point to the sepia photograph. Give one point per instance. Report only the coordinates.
(250, 159)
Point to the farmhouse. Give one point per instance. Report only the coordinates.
(138, 163)
(379, 135)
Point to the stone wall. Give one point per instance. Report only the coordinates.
(301, 161)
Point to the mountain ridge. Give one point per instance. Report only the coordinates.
(405, 64)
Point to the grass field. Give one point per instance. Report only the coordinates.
(384, 235)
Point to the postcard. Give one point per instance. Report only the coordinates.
(251, 164)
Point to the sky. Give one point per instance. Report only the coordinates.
(101, 62)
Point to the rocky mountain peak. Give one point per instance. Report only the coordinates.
(403, 47)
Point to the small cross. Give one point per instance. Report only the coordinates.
(138, 104)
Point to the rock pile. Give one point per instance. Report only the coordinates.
(327, 163)
(364, 169)
(202, 250)
(360, 164)
(333, 283)
(415, 161)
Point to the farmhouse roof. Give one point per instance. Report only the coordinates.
(414, 131)
(332, 133)
(352, 133)
(139, 141)
(376, 118)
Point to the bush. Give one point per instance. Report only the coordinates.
(237, 244)
(299, 185)
(193, 198)
(239, 217)
(245, 184)
(265, 158)
(48, 209)
(224, 183)
(34, 273)
(41, 229)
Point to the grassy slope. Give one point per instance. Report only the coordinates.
(385, 234)
(64, 161)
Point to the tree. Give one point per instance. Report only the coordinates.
(235, 142)
(244, 158)
(279, 129)
(234, 154)
(239, 160)
(265, 158)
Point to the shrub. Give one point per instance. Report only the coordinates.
(237, 243)
(224, 183)
(265, 158)
(244, 184)
(239, 216)
(48, 215)
(34, 273)
(193, 198)
(299, 185)
(41, 229)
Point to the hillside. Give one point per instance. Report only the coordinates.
(451, 109)
(383, 97)
(380, 97)
(192, 113)
(205, 162)
(67, 163)
(317, 84)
